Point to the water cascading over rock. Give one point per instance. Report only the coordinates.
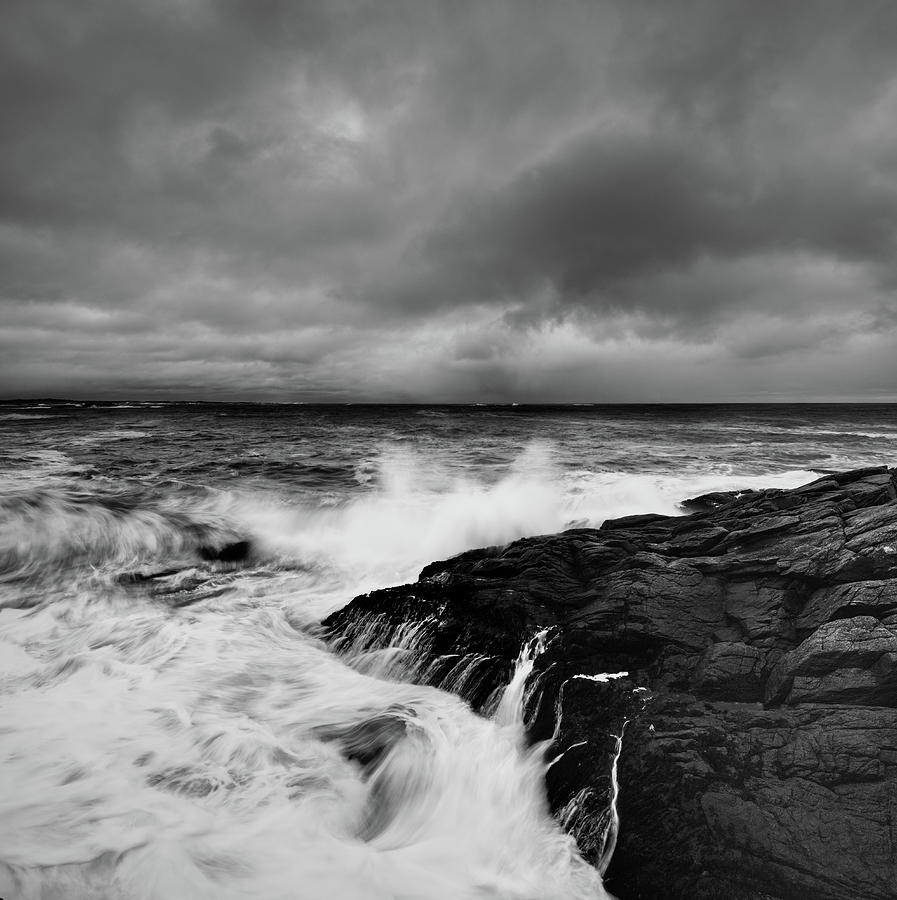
(759, 634)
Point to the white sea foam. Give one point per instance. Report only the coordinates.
(150, 756)
(880, 435)
(129, 433)
(420, 512)
(609, 495)
(603, 677)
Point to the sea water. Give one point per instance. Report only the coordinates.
(177, 727)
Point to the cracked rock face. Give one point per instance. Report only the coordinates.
(759, 635)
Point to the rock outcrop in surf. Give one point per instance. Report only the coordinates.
(759, 637)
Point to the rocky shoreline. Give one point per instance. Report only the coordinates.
(759, 637)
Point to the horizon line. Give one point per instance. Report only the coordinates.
(73, 401)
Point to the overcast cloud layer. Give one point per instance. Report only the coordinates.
(483, 201)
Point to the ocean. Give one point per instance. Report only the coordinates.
(173, 723)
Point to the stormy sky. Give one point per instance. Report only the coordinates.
(456, 201)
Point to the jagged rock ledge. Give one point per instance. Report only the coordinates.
(763, 628)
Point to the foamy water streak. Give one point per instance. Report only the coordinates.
(511, 705)
(613, 831)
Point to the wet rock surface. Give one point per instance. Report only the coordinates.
(759, 634)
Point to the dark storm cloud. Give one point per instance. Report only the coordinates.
(168, 121)
(504, 200)
(608, 212)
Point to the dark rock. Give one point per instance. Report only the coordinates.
(875, 598)
(712, 501)
(763, 628)
(233, 552)
(143, 577)
(730, 670)
(849, 661)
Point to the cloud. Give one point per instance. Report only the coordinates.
(608, 213)
(446, 200)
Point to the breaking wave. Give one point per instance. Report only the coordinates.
(411, 513)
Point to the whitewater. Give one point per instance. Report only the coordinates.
(173, 720)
